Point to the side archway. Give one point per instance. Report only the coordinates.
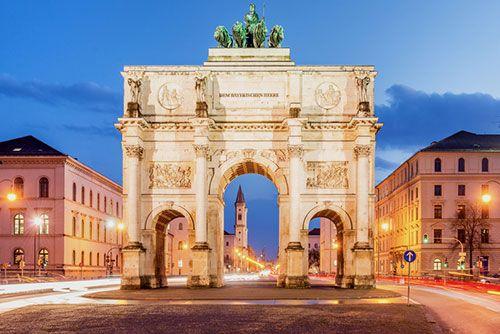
(167, 212)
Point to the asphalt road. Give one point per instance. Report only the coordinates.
(457, 311)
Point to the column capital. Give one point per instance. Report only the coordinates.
(201, 150)
(296, 151)
(134, 151)
(362, 150)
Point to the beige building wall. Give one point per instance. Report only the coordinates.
(405, 211)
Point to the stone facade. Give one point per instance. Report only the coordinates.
(419, 201)
(299, 126)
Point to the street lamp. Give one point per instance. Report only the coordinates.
(384, 227)
(486, 198)
(38, 222)
(11, 195)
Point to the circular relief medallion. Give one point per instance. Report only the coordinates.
(327, 95)
(169, 96)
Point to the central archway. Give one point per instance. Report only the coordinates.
(234, 168)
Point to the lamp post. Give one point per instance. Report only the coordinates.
(109, 262)
(11, 195)
(384, 227)
(37, 223)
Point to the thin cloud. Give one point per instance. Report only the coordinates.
(90, 95)
(93, 130)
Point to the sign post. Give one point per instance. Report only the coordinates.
(409, 256)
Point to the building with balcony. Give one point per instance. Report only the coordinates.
(418, 206)
(65, 218)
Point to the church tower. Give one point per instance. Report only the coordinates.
(240, 221)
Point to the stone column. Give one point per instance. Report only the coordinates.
(363, 252)
(201, 251)
(362, 153)
(296, 276)
(133, 253)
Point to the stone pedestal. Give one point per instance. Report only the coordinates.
(363, 266)
(133, 257)
(201, 278)
(295, 275)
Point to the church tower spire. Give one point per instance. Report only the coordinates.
(240, 221)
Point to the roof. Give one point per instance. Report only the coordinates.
(27, 146)
(240, 198)
(227, 233)
(315, 231)
(466, 141)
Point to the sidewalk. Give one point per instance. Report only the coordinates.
(31, 288)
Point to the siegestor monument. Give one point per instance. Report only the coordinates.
(188, 131)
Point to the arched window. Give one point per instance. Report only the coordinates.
(180, 245)
(437, 165)
(83, 228)
(19, 187)
(74, 257)
(98, 260)
(82, 258)
(461, 165)
(90, 258)
(74, 192)
(19, 223)
(18, 256)
(83, 195)
(437, 264)
(74, 226)
(43, 187)
(98, 201)
(43, 257)
(91, 199)
(485, 165)
(117, 209)
(44, 226)
(105, 204)
(180, 226)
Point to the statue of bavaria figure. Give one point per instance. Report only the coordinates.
(251, 19)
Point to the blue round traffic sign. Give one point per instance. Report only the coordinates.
(409, 256)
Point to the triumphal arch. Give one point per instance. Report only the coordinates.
(190, 130)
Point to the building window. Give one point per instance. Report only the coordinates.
(43, 257)
(485, 212)
(19, 223)
(485, 235)
(227, 243)
(461, 211)
(44, 226)
(438, 235)
(98, 232)
(485, 189)
(43, 187)
(91, 199)
(91, 229)
(105, 233)
(105, 204)
(82, 232)
(438, 190)
(98, 259)
(180, 226)
(73, 260)
(19, 187)
(90, 258)
(180, 245)
(83, 195)
(117, 209)
(18, 256)
(461, 165)
(438, 211)
(461, 235)
(239, 216)
(461, 190)
(82, 258)
(437, 264)
(98, 201)
(74, 226)
(74, 192)
(437, 165)
(485, 165)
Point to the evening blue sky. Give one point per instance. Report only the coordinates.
(60, 63)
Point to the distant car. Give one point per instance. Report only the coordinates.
(491, 279)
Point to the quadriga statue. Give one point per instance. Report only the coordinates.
(276, 36)
(239, 35)
(259, 34)
(222, 37)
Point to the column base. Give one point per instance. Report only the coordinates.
(364, 282)
(201, 264)
(297, 282)
(364, 277)
(132, 266)
(344, 282)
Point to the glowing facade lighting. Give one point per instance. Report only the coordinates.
(384, 226)
(11, 196)
(110, 224)
(38, 221)
(486, 198)
(120, 226)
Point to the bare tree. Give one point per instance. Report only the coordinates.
(471, 219)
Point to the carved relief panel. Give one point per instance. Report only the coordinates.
(163, 175)
(327, 174)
